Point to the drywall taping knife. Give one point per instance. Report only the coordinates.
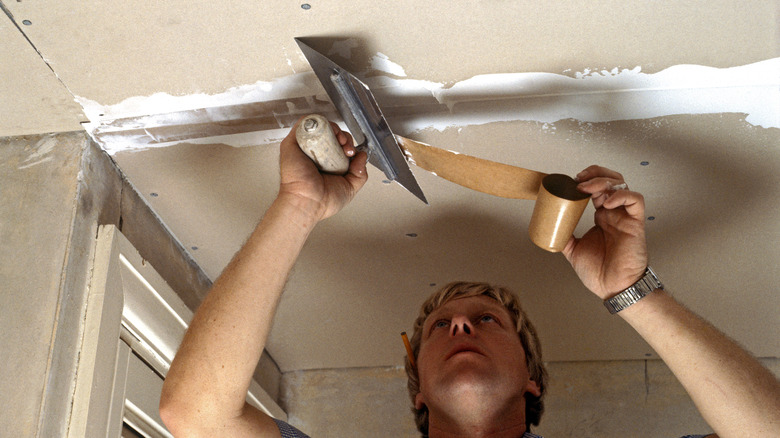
(365, 121)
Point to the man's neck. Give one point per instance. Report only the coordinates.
(472, 423)
(469, 431)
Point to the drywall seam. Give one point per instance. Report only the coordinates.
(589, 96)
(752, 89)
(34, 47)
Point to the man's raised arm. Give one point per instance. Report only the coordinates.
(204, 392)
(735, 394)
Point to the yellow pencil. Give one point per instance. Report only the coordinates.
(409, 353)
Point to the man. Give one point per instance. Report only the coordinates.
(204, 392)
(481, 368)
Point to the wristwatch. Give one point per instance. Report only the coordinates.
(647, 284)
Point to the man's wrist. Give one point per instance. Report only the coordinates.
(631, 295)
(298, 209)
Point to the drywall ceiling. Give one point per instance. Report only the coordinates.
(190, 98)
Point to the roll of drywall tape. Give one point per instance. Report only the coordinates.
(558, 209)
(559, 205)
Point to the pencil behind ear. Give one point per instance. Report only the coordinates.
(409, 353)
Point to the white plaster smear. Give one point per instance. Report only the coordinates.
(604, 96)
(753, 90)
(296, 85)
(381, 62)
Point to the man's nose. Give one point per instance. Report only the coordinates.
(460, 324)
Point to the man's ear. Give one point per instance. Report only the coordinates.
(419, 401)
(532, 388)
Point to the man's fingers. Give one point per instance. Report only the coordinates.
(595, 171)
(601, 188)
(633, 202)
(345, 140)
(602, 184)
(357, 174)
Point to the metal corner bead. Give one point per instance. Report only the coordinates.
(643, 287)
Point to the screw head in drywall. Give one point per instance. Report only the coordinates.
(306, 6)
(645, 163)
(26, 22)
(153, 195)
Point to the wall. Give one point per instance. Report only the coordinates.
(56, 189)
(38, 188)
(348, 402)
(600, 399)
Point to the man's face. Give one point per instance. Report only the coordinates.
(470, 351)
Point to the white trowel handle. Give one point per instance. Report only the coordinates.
(316, 139)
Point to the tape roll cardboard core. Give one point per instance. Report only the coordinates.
(558, 209)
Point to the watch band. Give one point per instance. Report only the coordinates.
(646, 285)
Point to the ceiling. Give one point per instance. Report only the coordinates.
(191, 98)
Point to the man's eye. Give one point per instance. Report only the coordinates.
(441, 324)
(486, 318)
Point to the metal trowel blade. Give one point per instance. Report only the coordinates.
(365, 121)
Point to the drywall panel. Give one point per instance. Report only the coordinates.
(108, 52)
(32, 99)
(711, 234)
(38, 190)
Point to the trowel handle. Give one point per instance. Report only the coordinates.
(316, 139)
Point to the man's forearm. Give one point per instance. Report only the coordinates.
(215, 362)
(735, 394)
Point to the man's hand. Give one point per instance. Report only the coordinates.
(321, 195)
(612, 255)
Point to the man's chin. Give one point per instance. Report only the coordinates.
(469, 378)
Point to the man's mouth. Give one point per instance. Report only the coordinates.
(463, 348)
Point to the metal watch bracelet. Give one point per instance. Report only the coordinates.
(646, 285)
